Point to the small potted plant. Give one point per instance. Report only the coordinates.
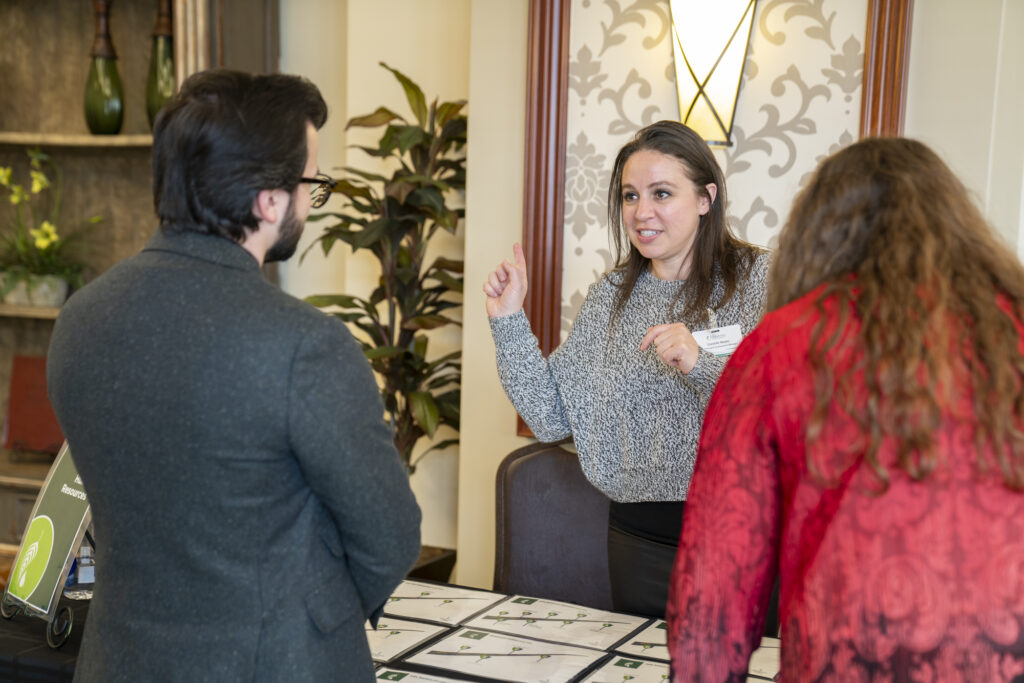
(37, 262)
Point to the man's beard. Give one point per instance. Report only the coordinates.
(288, 238)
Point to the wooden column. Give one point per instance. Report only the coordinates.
(547, 80)
(886, 58)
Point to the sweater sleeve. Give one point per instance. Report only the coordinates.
(547, 391)
(752, 294)
(527, 378)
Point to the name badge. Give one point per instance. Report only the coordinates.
(720, 341)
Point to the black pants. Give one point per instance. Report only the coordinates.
(642, 542)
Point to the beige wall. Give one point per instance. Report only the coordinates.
(965, 96)
(338, 45)
(494, 199)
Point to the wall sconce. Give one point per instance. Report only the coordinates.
(709, 41)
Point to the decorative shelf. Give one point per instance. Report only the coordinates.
(75, 140)
(40, 312)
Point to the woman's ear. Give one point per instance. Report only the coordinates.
(706, 201)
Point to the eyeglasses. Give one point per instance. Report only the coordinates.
(321, 190)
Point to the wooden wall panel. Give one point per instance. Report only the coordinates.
(544, 183)
(886, 58)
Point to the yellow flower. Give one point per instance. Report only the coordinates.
(5, 175)
(39, 181)
(44, 235)
(18, 194)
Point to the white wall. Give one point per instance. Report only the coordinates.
(965, 95)
(338, 45)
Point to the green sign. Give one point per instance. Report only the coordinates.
(54, 532)
(629, 663)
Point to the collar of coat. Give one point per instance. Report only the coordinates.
(212, 248)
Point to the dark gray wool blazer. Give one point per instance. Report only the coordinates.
(250, 510)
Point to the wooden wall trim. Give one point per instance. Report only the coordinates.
(886, 59)
(547, 78)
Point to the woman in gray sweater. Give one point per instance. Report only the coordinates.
(631, 381)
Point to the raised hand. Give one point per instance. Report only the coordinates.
(674, 345)
(506, 286)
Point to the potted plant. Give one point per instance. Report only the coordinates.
(395, 218)
(37, 263)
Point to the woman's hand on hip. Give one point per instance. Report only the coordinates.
(506, 286)
(674, 345)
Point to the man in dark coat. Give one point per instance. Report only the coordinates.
(250, 510)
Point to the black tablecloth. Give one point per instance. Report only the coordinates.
(24, 654)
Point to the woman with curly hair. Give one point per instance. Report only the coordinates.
(865, 443)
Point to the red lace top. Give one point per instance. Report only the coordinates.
(924, 582)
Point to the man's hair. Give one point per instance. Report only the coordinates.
(224, 137)
(886, 233)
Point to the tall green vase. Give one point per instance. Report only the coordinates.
(104, 94)
(160, 83)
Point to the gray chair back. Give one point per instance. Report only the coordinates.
(552, 529)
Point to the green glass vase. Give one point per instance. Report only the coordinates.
(160, 83)
(104, 97)
(104, 94)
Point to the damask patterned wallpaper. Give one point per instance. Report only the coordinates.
(799, 101)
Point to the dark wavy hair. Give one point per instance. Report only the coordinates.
(224, 137)
(889, 234)
(715, 247)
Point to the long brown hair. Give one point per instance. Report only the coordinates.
(715, 246)
(889, 234)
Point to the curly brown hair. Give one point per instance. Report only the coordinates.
(891, 235)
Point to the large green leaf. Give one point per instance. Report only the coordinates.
(417, 102)
(420, 346)
(351, 190)
(440, 445)
(411, 135)
(399, 190)
(449, 264)
(317, 217)
(452, 283)
(427, 198)
(374, 232)
(424, 411)
(373, 177)
(449, 110)
(378, 118)
(428, 322)
(455, 130)
(373, 151)
(342, 300)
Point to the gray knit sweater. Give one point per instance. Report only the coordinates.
(635, 421)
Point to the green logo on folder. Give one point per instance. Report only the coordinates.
(629, 663)
(34, 557)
